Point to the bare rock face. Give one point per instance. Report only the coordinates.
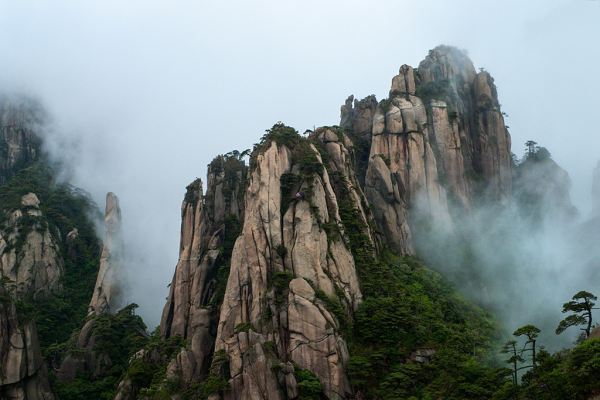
(448, 74)
(106, 283)
(23, 372)
(85, 358)
(438, 144)
(29, 252)
(358, 116)
(445, 131)
(19, 145)
(209, 226)
(404, 82)
(596, 191)
(286, 252)
(403, 172)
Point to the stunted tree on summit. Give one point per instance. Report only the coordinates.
(531, 147)
(581, 307)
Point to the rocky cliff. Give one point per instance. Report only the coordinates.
(23, 373)
(84, 358)
(29, 251)
(437, 143)
(541, 189)
(210, 224)
(295, 277)
(288, 260)
(277, 257)
(19, 144)
(106, 290)
(47, 252)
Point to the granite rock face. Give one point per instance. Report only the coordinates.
(283, 255)
(23, 371)
(210, 224)
(29, 251)
(19, 144)
(259, 302)
(438, 145)
(103, 299)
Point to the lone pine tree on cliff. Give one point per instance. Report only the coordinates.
(581, 306)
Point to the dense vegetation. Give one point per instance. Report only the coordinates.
(116, 338)
(63, 208)
(413, 336)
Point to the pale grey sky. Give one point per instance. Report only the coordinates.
(145, 93)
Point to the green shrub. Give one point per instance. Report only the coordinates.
(243, 327)
(309, 386)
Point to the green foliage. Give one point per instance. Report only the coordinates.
(212, 385)
(243, 327)
(281, 134)
(234, 171)
(581, 307)
(150, 372)
(408, 307)
(118, 337)
(63, 208)
(416, 309)
(530, 331)
(434, 90)
(309, 386)
(335, 306)
(281, 250)
(569, 374)
(280, 280)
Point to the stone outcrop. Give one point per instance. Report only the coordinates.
(448, 74)
(210, 224)
(84, 358)
(357, 115)
(258, 303)
(541, 189)
(23, 373)
(104, 299)
(438, 144)
(29, 252)
(19, 145)
(283, 256)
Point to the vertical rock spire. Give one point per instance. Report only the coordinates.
(436, 145)
(106, 289)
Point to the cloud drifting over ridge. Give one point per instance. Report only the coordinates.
(145, 93)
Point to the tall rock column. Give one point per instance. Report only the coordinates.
(103, 299)
(448, 75)
(19, 145)
(23, 373)
(402, 173)
(210, 224)
(85, 358)
(286, 259)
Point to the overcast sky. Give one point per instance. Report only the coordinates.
(145, 93)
